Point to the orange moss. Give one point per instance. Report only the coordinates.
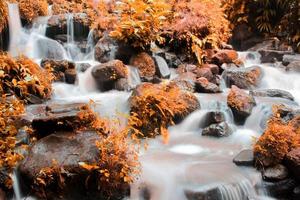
(278, 139)
(24, 78)
(238, 99)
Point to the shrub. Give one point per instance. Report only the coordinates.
(197, 24)
(140, 21)
(279, 138)
(31, 9)
(24, 78)
(3, 14)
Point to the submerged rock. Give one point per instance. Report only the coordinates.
(244, 78)
(275, 173)
(280, 189)
(272, 93)
(145, 63)
(217, 130)
(208, 194)
(240, 103)
(244, 158)
(107, 74)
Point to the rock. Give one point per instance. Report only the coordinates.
(171, 59)
(292, 162)
(244, 158)
(293, 66)
(62, 38)
(271, 56)
(224, 56)
(105, 49)
(287, 59)
(162, 68)
(70, 76)
(145, 63)
(68, 149)
(240, 33)
(272, 93)
(82, 66)
(57, 25)
(184, 68)
(280, 189)
(240, 103)
(206, 194)
(217, 130)
(202, 85)
(267, 44)
(60, 69)
(2, 195)
(46, 119)
(213, 68)
(296, 193)
(205, 73)
(106, 74)
(244, 78)
(214, 117)
(4, 39)
(275, 173)
(122, 85)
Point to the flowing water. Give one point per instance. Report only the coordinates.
(189, 162)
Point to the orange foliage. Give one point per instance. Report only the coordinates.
(3, 14)
(24, 78)
(31, 9)
(10, 111)
(155, 109)
(278, 139)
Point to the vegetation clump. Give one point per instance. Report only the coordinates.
(155, 107)
(3, 14)
(279, 138)
(10, 111)
(31, 9)
(23, 78)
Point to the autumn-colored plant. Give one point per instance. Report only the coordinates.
(10, 111)
(279, 138)
(140, 21)
(197, 24)
(3, 14)
(155, 109)
(23, 78)
(31, 9)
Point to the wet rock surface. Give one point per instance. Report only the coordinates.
(145, 63)
(46, 119)
(244, 158)
(244, 78)
(106, 74)
(224, 56)
(292, 162)
(272, 93)
(202, 85)
(240, 103)
(217, 130)
(275, 173)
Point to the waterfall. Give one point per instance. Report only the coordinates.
(15, 29)
(70, 28)
(90, 42)
(16, 186)
(162, 66)
(133, 76)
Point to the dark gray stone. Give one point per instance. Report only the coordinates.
(272, 93)
(217, 130)
(275, 173)
(244, 158)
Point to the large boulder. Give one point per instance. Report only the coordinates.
(272, 93)
(59, 156)
(240, 103)
(292, 161)
(48, 118)
(244, 78)
(106, 74)
(105, 49)
(224, 56)
(145, 63)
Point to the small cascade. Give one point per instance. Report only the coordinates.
(16, 186)
(90, 42)
(40, 25)
(162, 66)
(70, 28)
(133, 76)
(15, 29)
